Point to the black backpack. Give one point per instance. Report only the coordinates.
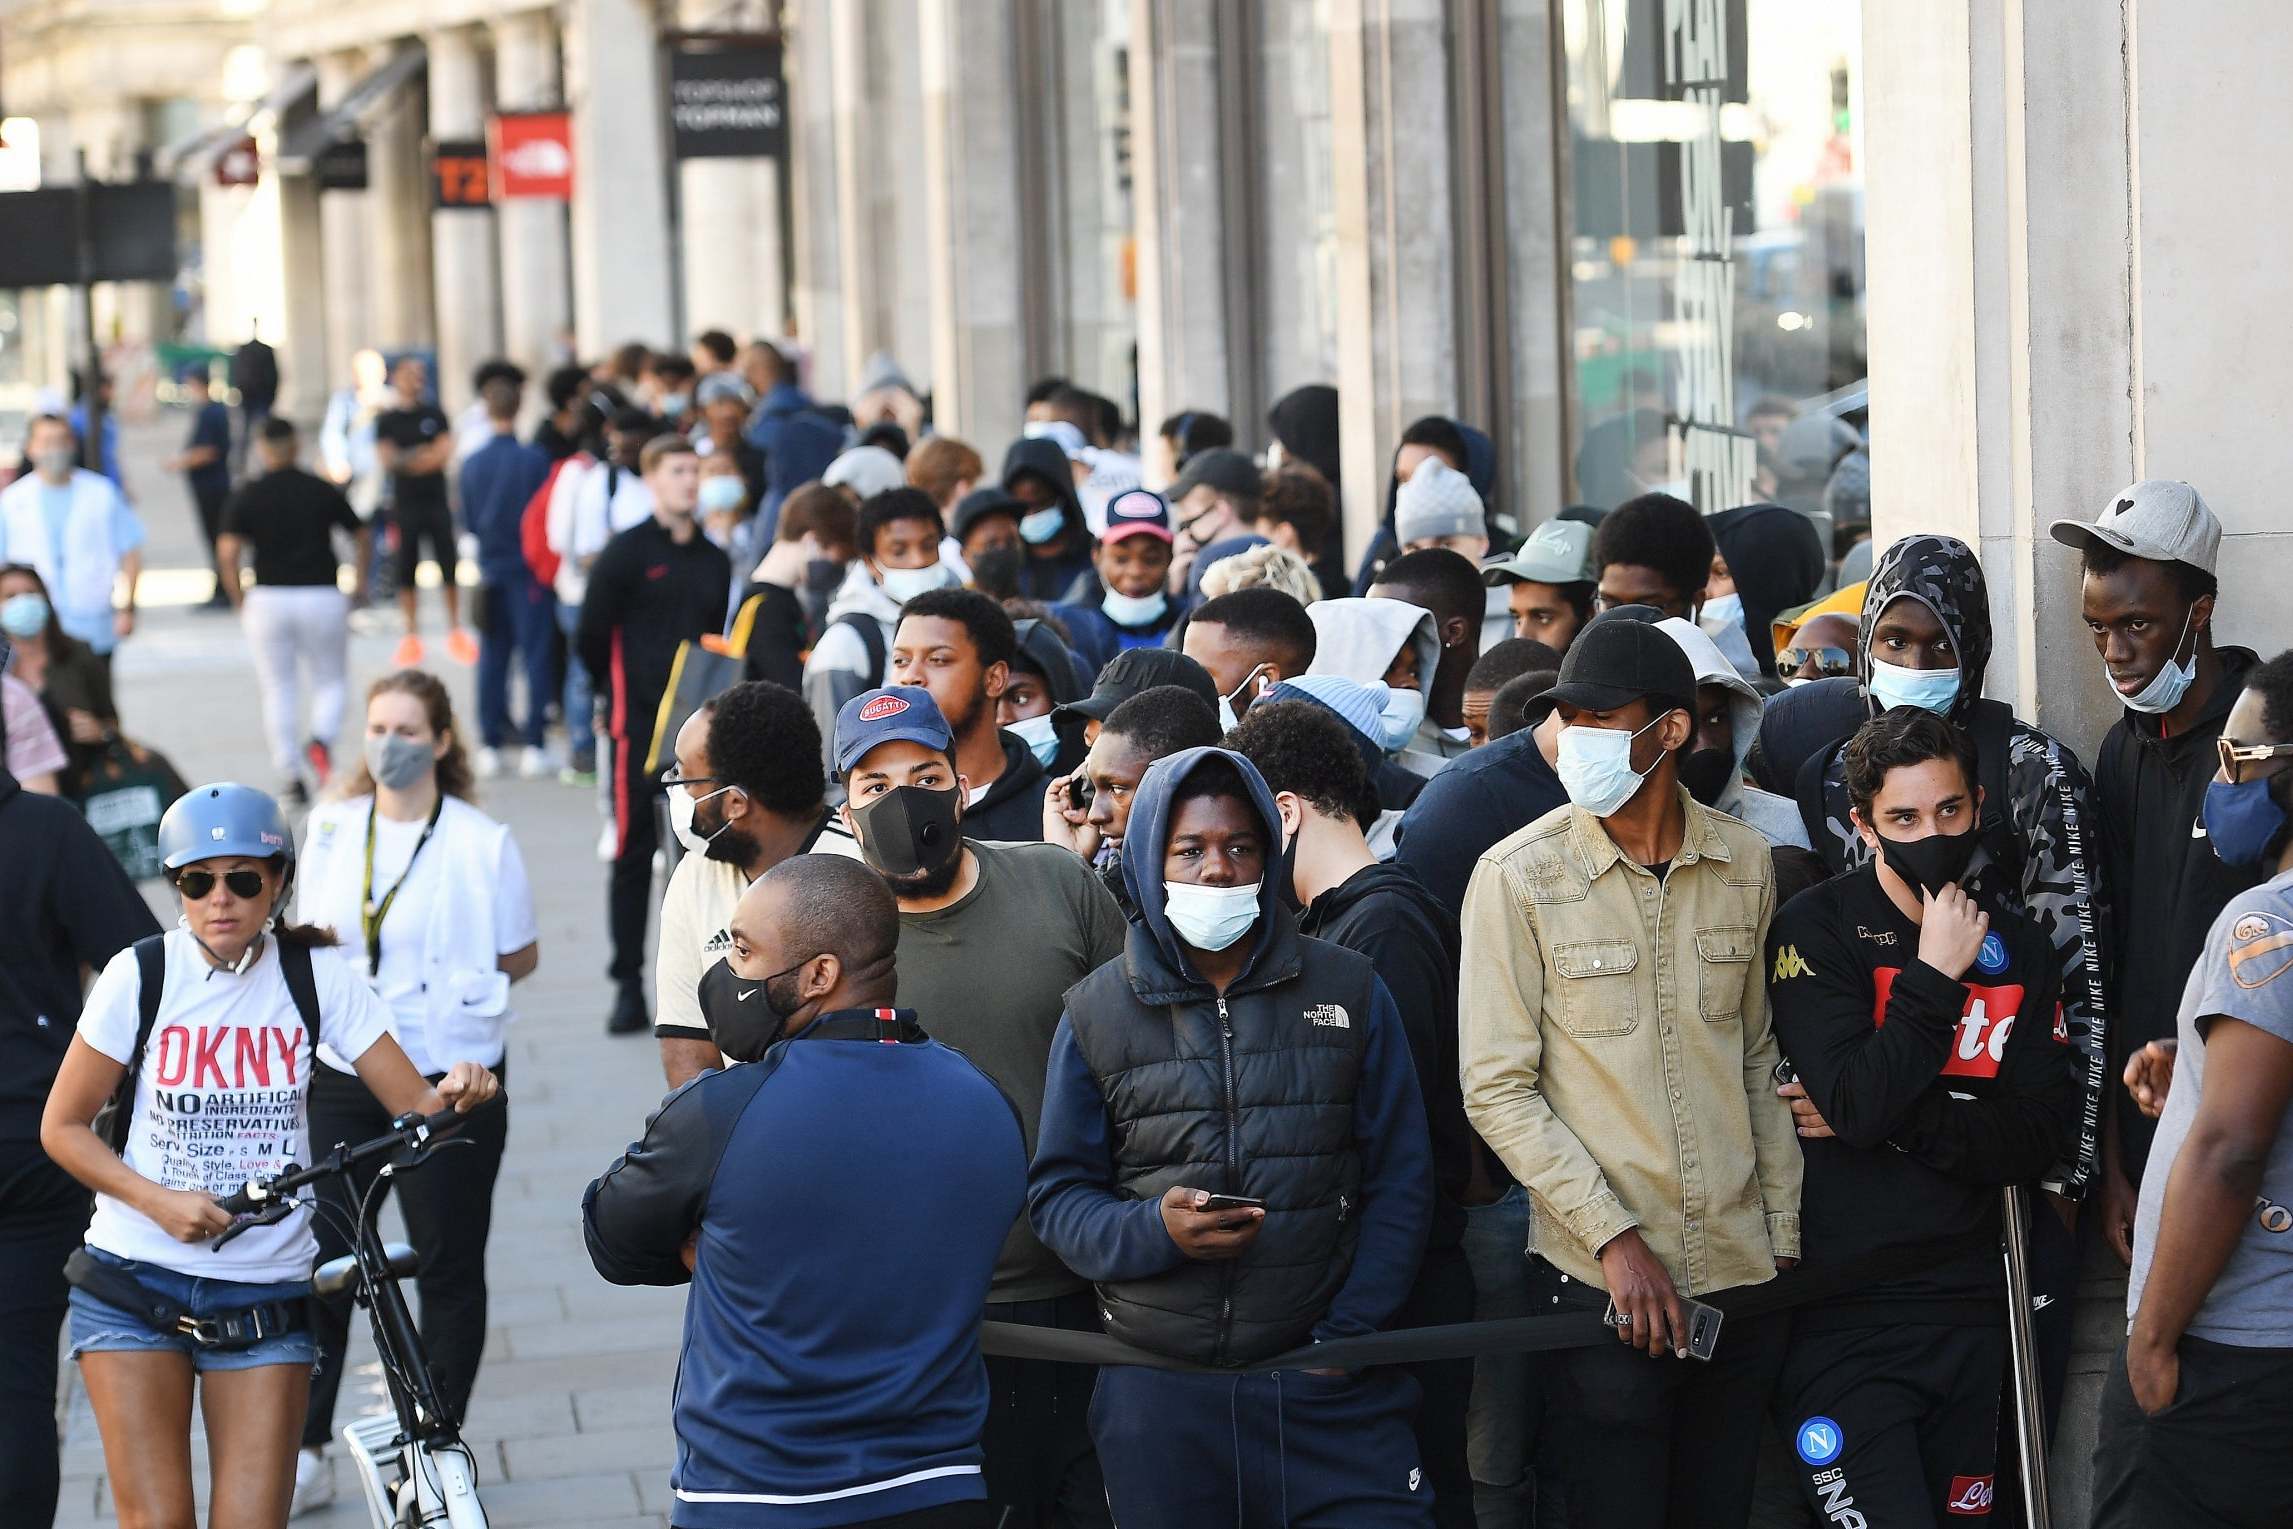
(872, 638)
(111, 1122)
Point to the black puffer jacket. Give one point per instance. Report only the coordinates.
(1294, 1087)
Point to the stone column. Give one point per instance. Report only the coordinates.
(537, 281)
(621, 260)
(1397, 341)
(971, 152)
(1193, 277)
(398, 221)
(883, 224)
(462, 239)
(735, 271)
(818, 290)
(346, 272)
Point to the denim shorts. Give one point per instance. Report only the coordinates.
(101, 1329)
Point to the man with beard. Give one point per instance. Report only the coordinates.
(958, 645)
(991, 937)
(748, 793)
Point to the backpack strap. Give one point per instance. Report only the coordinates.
(114, 1119)
(871, 638)
(302, 984)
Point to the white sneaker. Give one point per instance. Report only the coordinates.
(314, 1483)
(607, 843)
(535, 764)
(489, 763)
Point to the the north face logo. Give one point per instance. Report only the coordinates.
(1330, 1014)
(881, 707)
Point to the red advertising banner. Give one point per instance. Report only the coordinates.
(532, 155)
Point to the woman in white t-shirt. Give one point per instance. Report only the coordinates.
(430, 899)
(220, 1096)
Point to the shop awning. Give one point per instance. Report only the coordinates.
(301, 143)
(190, 160)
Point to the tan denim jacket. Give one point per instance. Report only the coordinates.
(1614, 1043)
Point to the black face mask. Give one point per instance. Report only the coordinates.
(822, 575)
(910, 834)
(1928, 865)
(1705, 772)
(996, 572)
(746, 1017)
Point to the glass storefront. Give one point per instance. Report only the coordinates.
(1714, 187)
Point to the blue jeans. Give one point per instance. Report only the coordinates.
(580, 696)
(100, 1329)
(518, 612)
(1501, 1424)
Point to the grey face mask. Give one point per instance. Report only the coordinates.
(398, 762)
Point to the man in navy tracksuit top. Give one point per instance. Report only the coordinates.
(830, 1373)
(1928, 1036)
(1225, 1053)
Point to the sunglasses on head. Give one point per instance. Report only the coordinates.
(197, 884)
(1814, 663)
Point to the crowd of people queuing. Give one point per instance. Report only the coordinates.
(1093, 907)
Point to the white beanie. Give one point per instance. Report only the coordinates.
(1438, 500)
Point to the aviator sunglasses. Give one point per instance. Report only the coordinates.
(197, 884)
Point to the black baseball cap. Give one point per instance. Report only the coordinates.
(1222, 468)
(1619, 658)
(979, 504)
(1134, 670)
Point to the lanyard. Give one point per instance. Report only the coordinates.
(372, 913)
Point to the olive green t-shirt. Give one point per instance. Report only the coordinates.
(988, 975)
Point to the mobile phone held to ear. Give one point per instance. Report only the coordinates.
(1231, 1202)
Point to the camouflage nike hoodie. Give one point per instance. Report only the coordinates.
(2041, 855)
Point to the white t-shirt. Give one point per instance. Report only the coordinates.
(222, 1096)
(405, 930)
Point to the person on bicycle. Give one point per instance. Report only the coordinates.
(429, 897)
(211, 1028)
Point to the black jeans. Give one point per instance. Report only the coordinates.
(637, 828)
(1443, 1294)
(43, 1214)
(1042, 1471)
(1645, 1441)
(449, 1207)
(2213, 1459)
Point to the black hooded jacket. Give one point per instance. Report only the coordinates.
(1777, 561)
(1049, 578)
(1013, 806)
(2169, 883)
(1294, 1086)
(2041, 842)
(1385, 913)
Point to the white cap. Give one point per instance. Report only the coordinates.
(2160, 519)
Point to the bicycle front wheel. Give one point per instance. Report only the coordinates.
(445, 1482)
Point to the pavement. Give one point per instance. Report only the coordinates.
(570, 1422)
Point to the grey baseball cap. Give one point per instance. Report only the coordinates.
(1557, 552)
(2161, 519)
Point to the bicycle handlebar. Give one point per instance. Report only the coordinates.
(406, 1131)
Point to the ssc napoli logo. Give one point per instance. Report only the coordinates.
(1820, 1441)
(1991, 959)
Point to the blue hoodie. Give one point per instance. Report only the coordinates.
(1072, 1199)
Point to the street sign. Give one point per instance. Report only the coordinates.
(532, 155)
(458, 175)
(727, 99)
(341, 165)
(131, 229)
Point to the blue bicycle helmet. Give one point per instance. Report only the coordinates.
(224, 819)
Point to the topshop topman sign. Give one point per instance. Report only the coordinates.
(726, 97)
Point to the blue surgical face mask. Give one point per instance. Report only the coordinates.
(1041, 738)
(1595, 767)
(1933, 690)
(2242, 820)
(1719, 615)
(24, 615)
(1404, 711)
(1210, 918)
(722, 493)
(1038, 527)
(1134, 610)
(2167, 687)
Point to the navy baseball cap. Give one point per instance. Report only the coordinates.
(894, 714)
(1136, 512)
